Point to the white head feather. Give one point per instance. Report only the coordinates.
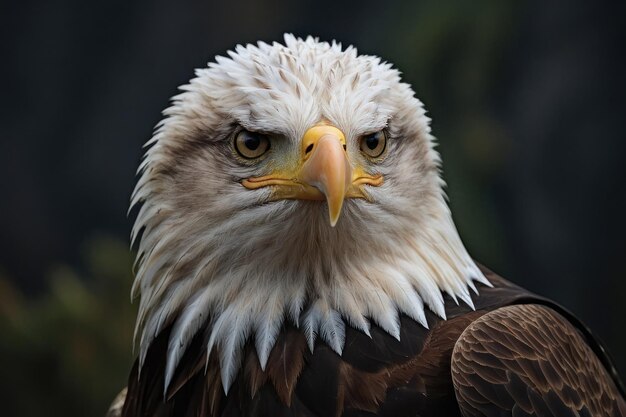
(213, 253)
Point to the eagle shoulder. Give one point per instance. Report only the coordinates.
(528, 360)
(115, 410)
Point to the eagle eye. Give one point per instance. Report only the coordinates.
(374, 144)
(251, 145)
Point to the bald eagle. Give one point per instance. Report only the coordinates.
(296, 257)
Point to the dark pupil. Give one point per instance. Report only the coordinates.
(372, 142)
(252, 142)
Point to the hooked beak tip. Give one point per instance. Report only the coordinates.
(334, 215)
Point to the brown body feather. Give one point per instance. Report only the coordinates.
(526, 360)
(516, 354)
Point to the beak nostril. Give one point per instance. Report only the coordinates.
(308, 149)
(344, 146)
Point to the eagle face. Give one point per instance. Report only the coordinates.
(298, 183)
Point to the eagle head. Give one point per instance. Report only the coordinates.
(293, 182)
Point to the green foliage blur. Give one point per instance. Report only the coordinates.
(68, 351)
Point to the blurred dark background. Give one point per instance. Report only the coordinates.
(527, 101)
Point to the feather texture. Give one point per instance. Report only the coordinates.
(503, 358)
(528, 360)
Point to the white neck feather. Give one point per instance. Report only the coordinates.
(247, 280)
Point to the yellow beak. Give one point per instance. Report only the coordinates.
(323, 173)
(326, 166)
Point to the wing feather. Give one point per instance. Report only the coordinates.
(527, 360)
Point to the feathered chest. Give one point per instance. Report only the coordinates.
(375, 375)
